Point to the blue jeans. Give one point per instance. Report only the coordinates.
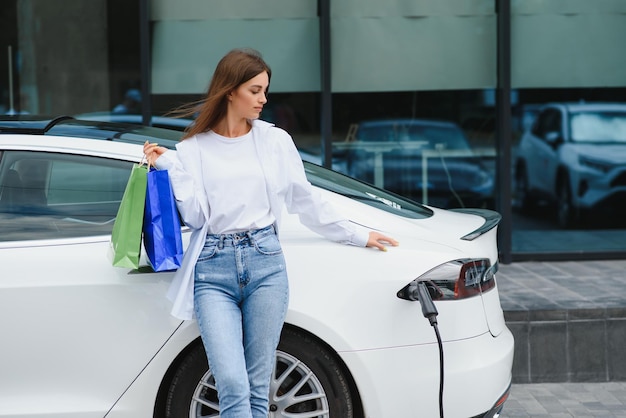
(240, 296)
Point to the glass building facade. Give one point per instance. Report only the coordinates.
(433, 99)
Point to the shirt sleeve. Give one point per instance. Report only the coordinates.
(314, 212)
(187, 192)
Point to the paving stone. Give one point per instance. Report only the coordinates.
(560, 400)
(572, 307)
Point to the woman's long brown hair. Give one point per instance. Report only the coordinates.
(234, 69)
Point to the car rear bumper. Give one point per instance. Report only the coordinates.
(497, 407)
(402, 381)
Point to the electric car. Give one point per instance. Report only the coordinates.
(368, 333)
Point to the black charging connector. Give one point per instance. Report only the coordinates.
(429, 310)
(418, 290)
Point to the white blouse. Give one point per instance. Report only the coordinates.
(234, 184)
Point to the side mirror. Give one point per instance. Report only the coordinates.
(553, 138)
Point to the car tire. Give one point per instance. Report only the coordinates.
(328, 379)
(186, 380)
(522, 194)
(307, 379)
(565, 211)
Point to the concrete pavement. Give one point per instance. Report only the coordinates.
(569, 321)
(564, 400)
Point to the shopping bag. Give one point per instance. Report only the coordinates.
(161, 225)
(125, 247)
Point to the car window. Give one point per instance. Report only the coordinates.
(598, 126)
(54, 195)
(449, 138)
(365, 193)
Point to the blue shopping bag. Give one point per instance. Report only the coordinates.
(161, 226)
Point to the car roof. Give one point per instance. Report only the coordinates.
(590, 106)
(67, 126)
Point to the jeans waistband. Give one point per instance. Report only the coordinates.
(241, 238)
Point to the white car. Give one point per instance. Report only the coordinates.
(574, 157)
(81, 338)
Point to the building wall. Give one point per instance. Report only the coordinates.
(62, 55)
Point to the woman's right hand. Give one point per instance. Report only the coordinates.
(378, 240)
(152, 152)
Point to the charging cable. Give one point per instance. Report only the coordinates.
(417, 290)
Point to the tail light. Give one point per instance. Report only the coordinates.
(458, 279)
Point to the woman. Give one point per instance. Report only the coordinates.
(232, 175)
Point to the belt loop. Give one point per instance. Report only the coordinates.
(221, 243)
(249, 235)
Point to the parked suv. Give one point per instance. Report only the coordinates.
(574, 157)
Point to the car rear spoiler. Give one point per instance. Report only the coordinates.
(491, 217)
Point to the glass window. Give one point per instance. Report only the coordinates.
(378, 198)
(47, 195)
(404, 45)
(67, 57)
(568, 188)
(435, 147)
(567, 44)
(413, 98)
(286, 32)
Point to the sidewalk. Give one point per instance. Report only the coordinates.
(568, 319)
(563, 400)
(564, 285)
(569, 323)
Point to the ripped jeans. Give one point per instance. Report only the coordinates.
(241, 294)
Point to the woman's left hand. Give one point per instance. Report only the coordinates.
(378, 240)
(152, 152)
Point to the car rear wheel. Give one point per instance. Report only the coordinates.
(307, 381)
(565, 212)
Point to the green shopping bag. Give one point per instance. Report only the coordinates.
(126, 235)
